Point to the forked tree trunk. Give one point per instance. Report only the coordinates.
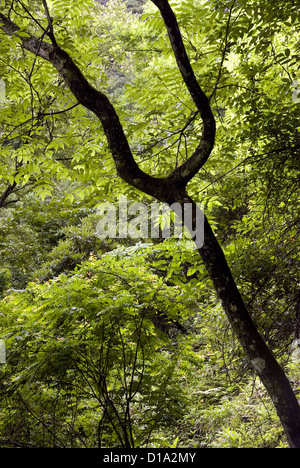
(171, 189)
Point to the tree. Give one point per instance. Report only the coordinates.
(92, 342)
(172, 188)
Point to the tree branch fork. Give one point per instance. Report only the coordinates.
(168, 189)
(172, 189)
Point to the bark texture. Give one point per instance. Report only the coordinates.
(255, 348)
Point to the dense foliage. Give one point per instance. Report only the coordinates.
(123, 343)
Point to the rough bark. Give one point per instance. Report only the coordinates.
(171, 189)
(255, 348)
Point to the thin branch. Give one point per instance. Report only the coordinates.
(42, 114)
(144, 50)
(17, 444)
(35, 416)
(255, 156)
(31, 16)
(50, 24)
(38, 117)
(224, 52)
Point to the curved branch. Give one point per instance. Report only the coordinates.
(98, 103)
(186, 172)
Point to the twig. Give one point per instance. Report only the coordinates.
(224, 53)
(42, 114)
(32, 17)
(50, 32)
(35, 416)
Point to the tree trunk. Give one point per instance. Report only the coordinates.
(171, 189)
(255, 348)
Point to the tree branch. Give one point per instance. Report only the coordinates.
(43, 114)
(186, 172)
(172, 189)
(98, 103)
(161, 188)
(31, 43)
(50, 24)
(223, 53)
(18, 444)
(10, 189)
